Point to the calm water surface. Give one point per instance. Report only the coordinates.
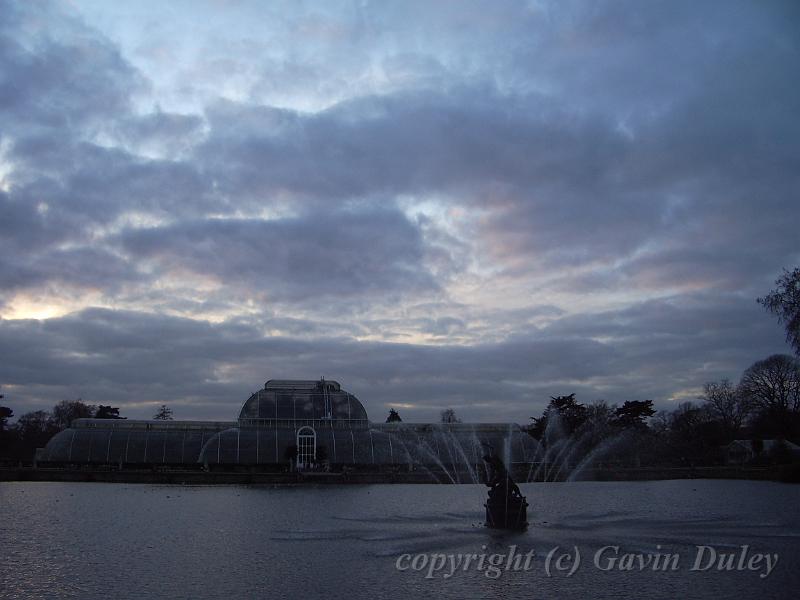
(83, 540)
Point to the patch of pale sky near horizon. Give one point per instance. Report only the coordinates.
(43, 304)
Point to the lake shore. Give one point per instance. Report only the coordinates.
(222, 477)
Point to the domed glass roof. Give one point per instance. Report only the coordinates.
(303, 400)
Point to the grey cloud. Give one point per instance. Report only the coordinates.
(23, 227)
(61, 86)
(651, 351)
(407, 142)
(314, 258)
(561, 181)
(93, 184)
(160, 133)
(74, 269)
(134, 357)
(706, 185)
(64, 89)
(444, 326)
(58, 74)
(702, 337)
(547, 175)
(49, 223)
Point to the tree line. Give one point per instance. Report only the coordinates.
(764, 404)
(32, 430)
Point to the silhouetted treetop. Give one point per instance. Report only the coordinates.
(107, 412)
(164, 413)
(784, 302)
(728, 404)
(569, 413)
(36, 428)
(67, 411)
(448, 415)
(633, 413)
(773, 383)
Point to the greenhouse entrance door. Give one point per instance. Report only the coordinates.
(306, 447)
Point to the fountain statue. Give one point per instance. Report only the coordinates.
(506, 507)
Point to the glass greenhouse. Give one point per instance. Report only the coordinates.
(290, 425)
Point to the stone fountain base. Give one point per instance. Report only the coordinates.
(507, 513)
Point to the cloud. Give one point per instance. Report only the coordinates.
(133, 359)
(319, 257)
(59, 76)
(548, 198)
(160, 134)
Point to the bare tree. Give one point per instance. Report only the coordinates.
(449, 416)
(599, 422)
(599, 414)
(660, 423)
(36, 428)
(164, 413)
(773, 384)
(687, 416)
(728, 404)
(784, 302)
(67, 411)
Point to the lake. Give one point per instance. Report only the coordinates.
(660, 539)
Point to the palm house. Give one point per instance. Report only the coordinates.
(289, 424)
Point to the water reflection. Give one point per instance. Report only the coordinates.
(65, 540)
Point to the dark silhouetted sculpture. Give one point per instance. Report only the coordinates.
(394, 416)
(506, 507)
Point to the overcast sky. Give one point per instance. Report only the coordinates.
(473, 205)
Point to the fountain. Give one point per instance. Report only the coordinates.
(565, 457)
(506, 507)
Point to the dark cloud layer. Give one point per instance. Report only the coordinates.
(58, 76)
(139, 360)
(345, 255)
